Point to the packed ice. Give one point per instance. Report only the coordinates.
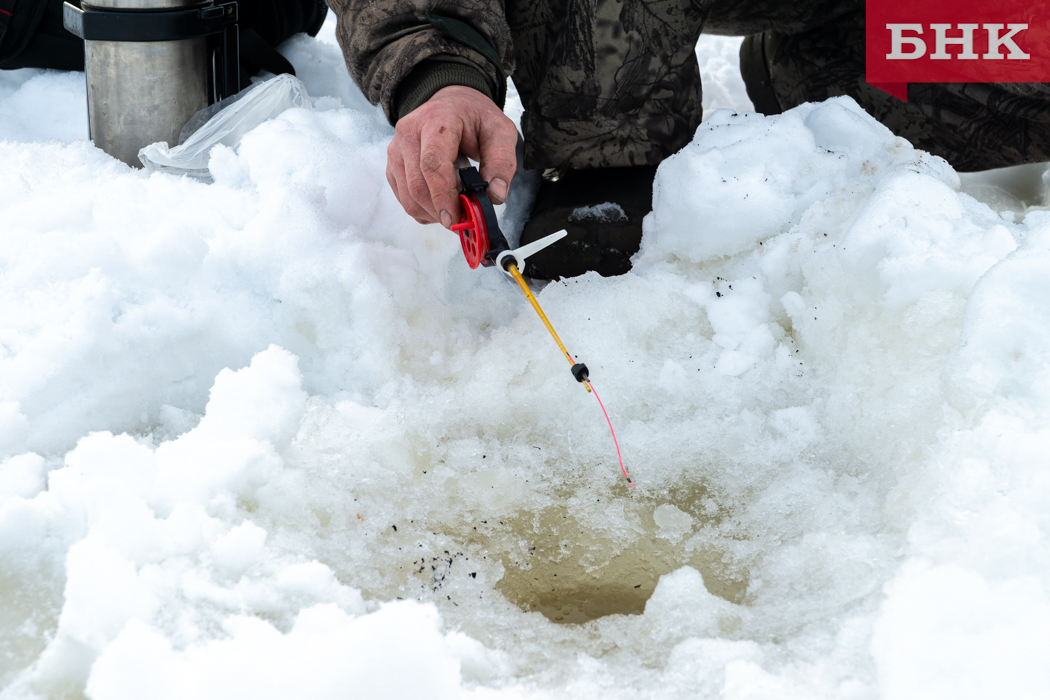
(270, 438)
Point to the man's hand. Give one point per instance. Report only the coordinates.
(420, 163)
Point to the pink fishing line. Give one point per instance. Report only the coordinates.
(615, 441)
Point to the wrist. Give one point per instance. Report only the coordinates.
(430, 76)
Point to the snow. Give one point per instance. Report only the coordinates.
(606, 211)
(269, 437)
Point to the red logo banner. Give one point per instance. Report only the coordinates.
(962, 41)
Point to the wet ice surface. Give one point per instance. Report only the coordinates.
(271, 438)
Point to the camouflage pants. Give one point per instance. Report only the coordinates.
(609, 83)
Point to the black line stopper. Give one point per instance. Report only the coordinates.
(579, 370)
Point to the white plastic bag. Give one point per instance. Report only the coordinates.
(224, 122)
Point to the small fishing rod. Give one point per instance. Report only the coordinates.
(484, 245)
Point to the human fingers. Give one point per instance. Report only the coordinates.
(439, 148)
(396, 178)
(415, 185)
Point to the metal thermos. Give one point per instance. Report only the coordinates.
(142, 92)
(152, 64)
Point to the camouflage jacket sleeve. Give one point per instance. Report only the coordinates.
(399, 57)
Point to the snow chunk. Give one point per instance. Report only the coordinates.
(743, 180)
(939, 620)
(607, 211)
(21, 476)
(397, 652)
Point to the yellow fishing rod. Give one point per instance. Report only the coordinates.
(485, 245)
(513, 270)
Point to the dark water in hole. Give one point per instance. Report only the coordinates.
(572, 574)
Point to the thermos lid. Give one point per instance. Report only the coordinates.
(141, 4)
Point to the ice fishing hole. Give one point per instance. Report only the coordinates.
(573, 572)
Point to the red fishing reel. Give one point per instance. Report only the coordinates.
(473, 233)
(479, 233)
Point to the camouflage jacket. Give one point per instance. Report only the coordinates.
(400, 52)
